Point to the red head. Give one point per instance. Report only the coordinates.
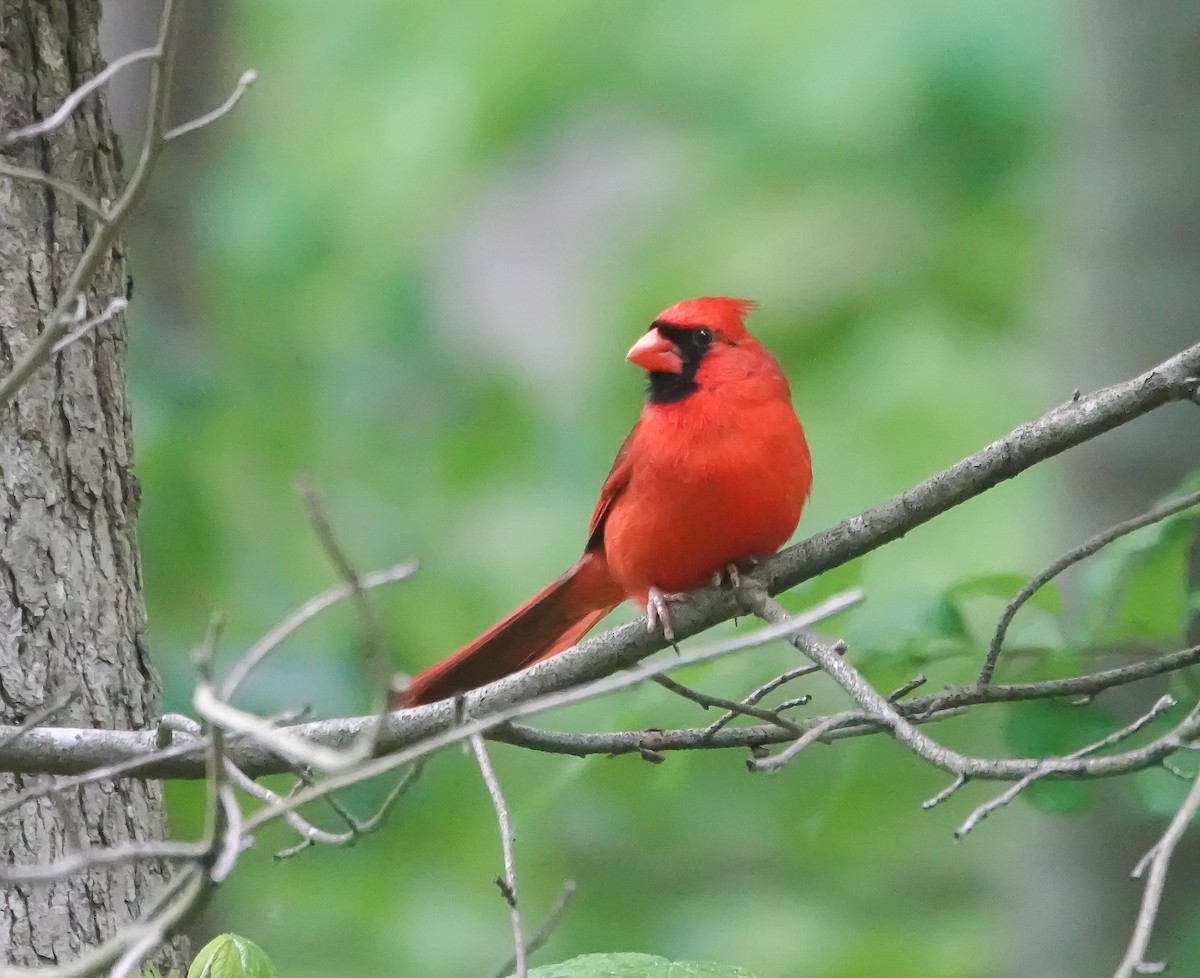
(693, 343)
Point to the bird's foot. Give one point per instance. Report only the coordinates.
(732, 575)
(658, 612)
(732, 572)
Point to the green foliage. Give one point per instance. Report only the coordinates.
(231, 956)
(1162, 791)
(150, 971)
(636, 966)
(1045, 728)
(1138, 585)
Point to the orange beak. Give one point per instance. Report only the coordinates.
(656, 354)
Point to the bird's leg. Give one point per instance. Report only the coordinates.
(658, 612)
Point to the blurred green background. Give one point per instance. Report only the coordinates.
(408, 267)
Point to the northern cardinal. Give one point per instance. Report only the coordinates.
(714, 474)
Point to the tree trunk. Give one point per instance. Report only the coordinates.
(71, 614)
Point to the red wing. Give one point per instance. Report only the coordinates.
(614, 485)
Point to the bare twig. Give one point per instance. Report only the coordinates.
(1083, 551)
(900, 692)
(893, 717)
(308, 832)
(59, 186)
(1159, 861)
(249, 77)
(310, 609)
(507, 883)
(374, 654)
(318, 517)
(983, 811)
(705, 700)
(75, 99)
(542, 934)
(356, 827)
(773, 762)
(945, 793)
(114, 307)
(756, 695)
(161, 65)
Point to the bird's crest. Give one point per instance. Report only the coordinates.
(726, 316)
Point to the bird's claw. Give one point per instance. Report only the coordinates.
(732, 573)
(729, 573)
(658, 612)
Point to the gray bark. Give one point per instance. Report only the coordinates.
(71, 613)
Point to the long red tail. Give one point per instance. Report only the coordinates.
(551, 621)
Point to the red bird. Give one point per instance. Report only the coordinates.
(714, 473)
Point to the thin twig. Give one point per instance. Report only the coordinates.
(756, 695)
(374, 654)
(310, 609)
(1083, 551)
(542, 934)
(98, 248)
(507, 883)
(308, 832)
(249, 77)
(892, 716)
(705, 700)
(773, 762)
(945, 793)
(73, 101)
(114, 308)
(900, 692)
(983, 811)
(1134, 961)
(56, 184)
(356, 827)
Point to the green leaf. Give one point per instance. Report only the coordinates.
(1153, 602)
(231, 956)
(636, 966)
(1160, 791)
(944, 619)
(1051, 728)
(1137, 587)
(1005, 587)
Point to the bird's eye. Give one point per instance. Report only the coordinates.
(704, 335)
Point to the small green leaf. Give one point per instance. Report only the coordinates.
(636, 966)
(231, 956)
